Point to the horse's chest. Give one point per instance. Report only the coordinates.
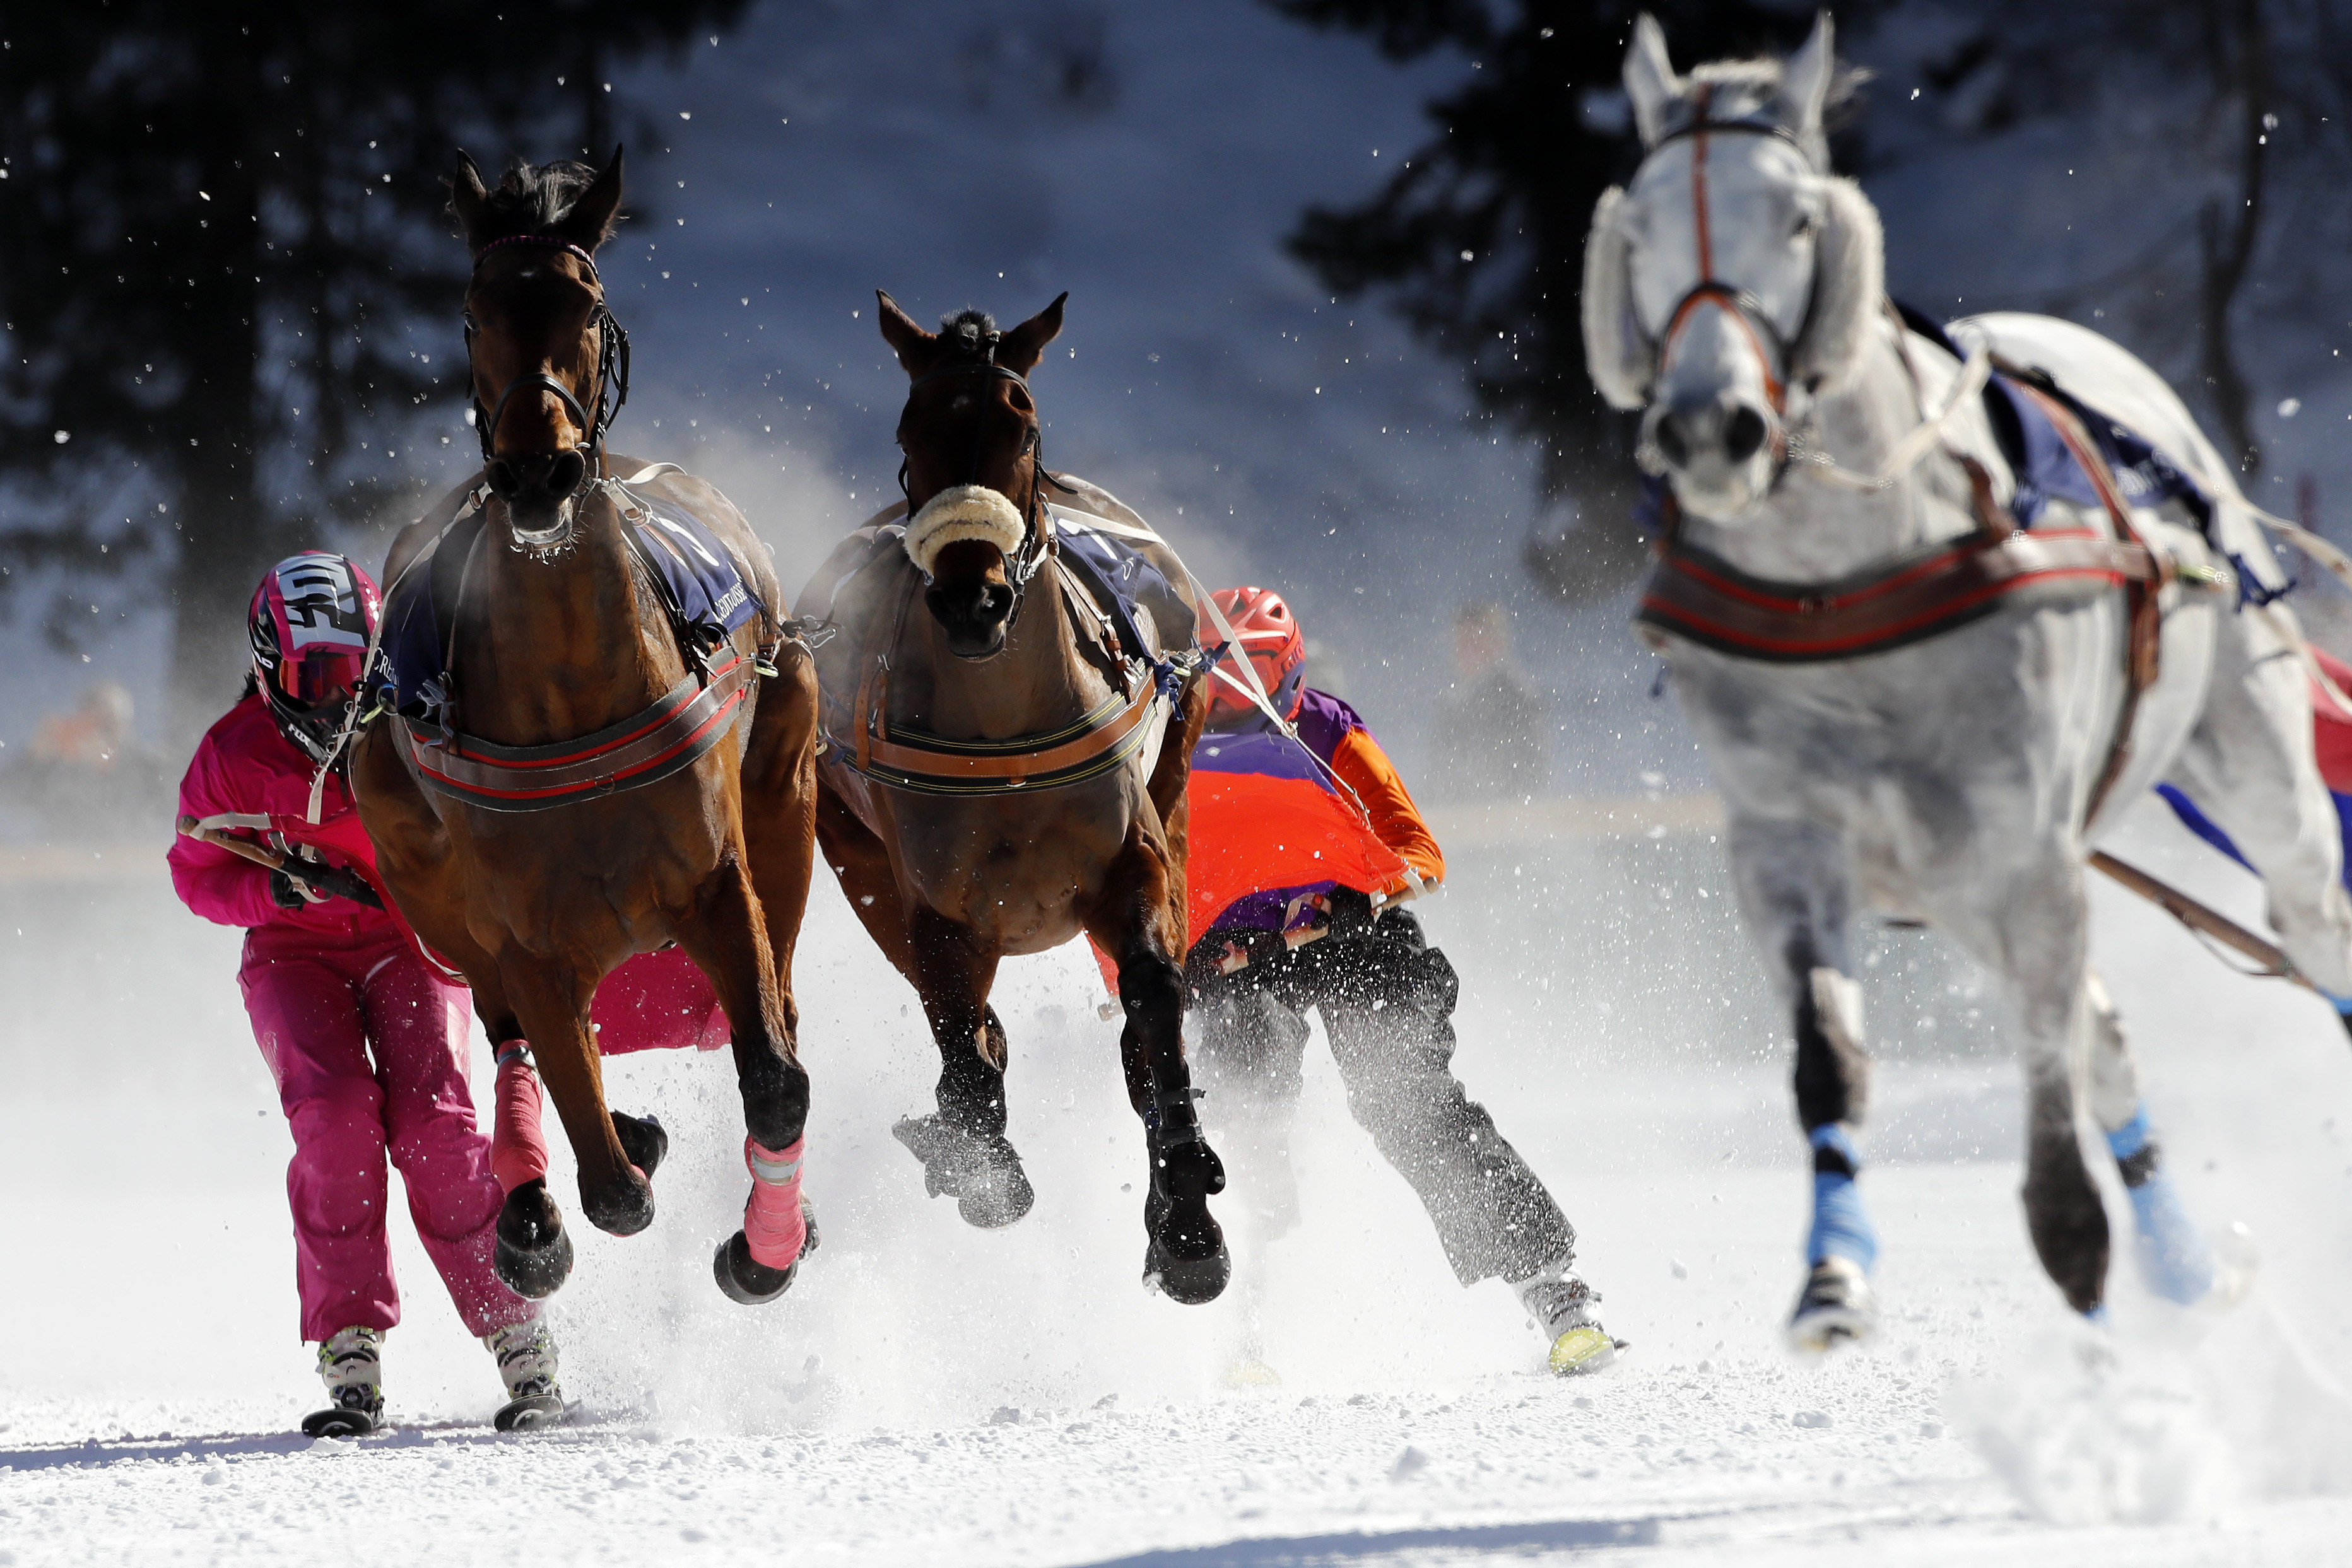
(1019, 873)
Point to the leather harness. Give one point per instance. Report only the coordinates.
(914, 759)
(1697, 596)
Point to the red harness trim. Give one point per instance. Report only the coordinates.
(1696, 595)
(665, 739)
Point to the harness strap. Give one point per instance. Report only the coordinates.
(651, 744)
(1012, 763)
(2144, 635)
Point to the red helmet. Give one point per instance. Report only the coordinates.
(309, 625)
(1271, 639)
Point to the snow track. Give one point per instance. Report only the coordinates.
(929, 1394)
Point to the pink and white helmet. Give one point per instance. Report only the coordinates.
(309, 625)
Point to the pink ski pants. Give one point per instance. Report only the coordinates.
(319, 1009)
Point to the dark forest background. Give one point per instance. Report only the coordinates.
(226, 271)
(217, 220)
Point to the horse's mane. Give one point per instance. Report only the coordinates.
(533, 198)
(964, 333)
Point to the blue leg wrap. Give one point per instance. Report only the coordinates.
(1841, 1227)
(2173, 1256)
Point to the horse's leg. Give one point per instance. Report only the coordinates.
(963, 1148)
(2249, 765)
(1140, 920)
(550, 998)
(727, 937)
(2033, 930)
(2173, 1257)
(1794, 887)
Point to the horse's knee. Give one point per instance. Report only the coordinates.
(1832, 1075)
(776, 1097)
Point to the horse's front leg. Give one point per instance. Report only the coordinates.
(550, 995)
(963, 1148)
(728, 940)
(1795, 887)
(1140, 920)
(2033, 930)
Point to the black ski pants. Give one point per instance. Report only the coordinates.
(1387, 999)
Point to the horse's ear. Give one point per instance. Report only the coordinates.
(1849, 290)
(916, 349)
(1616, 355)
(1650, 81)
(1024, 345)
(1805, 79)
(589, 223)
(466, 194)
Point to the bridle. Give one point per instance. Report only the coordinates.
(1035, 539)
(612, 368)
(1773, 352)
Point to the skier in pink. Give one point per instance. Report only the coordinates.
(365, 1037)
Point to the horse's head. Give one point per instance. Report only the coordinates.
(1736, 280)
(970, 433)
(546, 353)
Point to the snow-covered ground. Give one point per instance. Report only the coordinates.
(933, 1395)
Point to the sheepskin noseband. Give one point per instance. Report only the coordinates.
(964, 512)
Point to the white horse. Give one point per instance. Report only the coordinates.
(1734, 292)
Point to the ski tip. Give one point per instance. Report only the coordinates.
(1583, 1350)
(531, 1413)
(1249, 1371)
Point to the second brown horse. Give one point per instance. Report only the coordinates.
(1002, 772)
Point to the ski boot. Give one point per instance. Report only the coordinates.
(352, 1362)
(526, 1357)
(1561, 1304)
(1835, 1309)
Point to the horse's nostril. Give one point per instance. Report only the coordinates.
(1743, 433)
(1671, 440)
(565, 473)
(995, 604)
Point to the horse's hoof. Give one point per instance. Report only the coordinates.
(1188, 1281)
(746, 1280)
(533, 1253)
(1835, 1309)
(624, 1210)
(642, 1140)
(982, 1172)
(997, 1193)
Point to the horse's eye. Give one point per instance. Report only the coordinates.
(1804, 227)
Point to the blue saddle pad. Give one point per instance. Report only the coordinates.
(1117, 575)
(693, 574)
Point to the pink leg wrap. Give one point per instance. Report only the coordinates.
(517, 1146)
(772, 1222)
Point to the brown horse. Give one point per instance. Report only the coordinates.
(559, 642)
(999, 775)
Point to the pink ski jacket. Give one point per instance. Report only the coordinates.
(244, 765)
